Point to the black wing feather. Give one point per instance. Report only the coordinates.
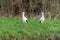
(27, 21)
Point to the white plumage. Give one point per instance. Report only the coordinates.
(42, 18)
(24, 18)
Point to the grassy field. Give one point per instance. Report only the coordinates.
(17, 30)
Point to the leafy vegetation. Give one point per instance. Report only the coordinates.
(15, 28)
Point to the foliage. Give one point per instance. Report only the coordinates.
(12, 8)
(10, 28)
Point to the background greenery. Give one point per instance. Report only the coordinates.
(12, 27)
(14, 8)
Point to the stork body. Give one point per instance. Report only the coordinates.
(42, 18)
(24, 18)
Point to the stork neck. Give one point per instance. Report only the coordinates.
(23, 15)
(42, 15)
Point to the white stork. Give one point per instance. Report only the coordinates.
(24, 19)
(42, 18)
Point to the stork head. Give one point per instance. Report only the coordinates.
(42, 13)
(23, 13)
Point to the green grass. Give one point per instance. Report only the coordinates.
(10, 27)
